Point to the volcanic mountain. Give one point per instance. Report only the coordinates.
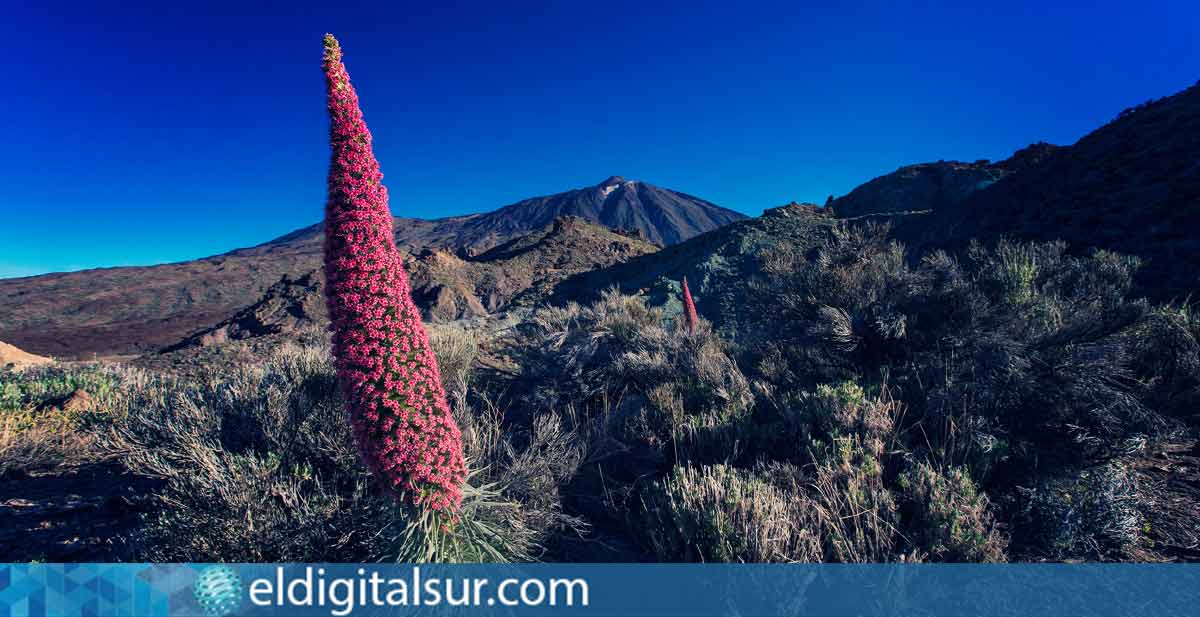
(133, 310)
(660, 215)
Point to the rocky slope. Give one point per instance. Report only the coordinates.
(929, 186)
(445, 285)
(719, 265)
(129, 310)
(134, 310)
(1131, 186)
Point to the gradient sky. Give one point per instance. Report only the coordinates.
(140, 135)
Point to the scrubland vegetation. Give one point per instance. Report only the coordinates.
(990, 406)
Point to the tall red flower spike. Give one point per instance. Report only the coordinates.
(386, 370)
(689, 309)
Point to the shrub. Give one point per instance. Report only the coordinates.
(1166, 357)
(456, 351)
(717, 513)
(848, 438)
(947, 517)
(40, 449)
(258, 464)
(856, 508)
(840, 506)
(37, 396)
(1090, 513)
(1014, 362)
(1017, 345)
(45, 426)
(683, 395)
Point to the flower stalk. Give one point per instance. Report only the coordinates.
(689, 309)
(386, 369)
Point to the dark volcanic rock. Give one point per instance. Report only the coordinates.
(286, 306)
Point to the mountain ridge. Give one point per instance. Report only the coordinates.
(670, 217)
(446, 286)
(136, 309)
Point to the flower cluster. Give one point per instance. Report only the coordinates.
(386, 369)
(689, 309)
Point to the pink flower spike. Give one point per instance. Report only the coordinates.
(689, 309)
(375, 323)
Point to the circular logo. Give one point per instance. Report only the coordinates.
(218, 590)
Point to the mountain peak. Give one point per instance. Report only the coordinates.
(612, 181)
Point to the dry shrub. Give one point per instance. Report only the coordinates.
(1018, 341)
(839, 506)
(522, 467)
(948, 518)
(258, 464)
(858, 512)
(1014, 362)
(1091, 513)
(1166, 355)
(39, 433)
(457, 352)
(44, 396)
(674, 392)
(43, 449)
(717, 513)
(527, 477)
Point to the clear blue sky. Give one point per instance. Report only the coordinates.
(138, 135)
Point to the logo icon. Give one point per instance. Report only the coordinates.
(218, 590)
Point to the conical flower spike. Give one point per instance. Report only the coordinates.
(386, 369)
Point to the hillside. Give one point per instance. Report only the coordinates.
(134, 310)
(1132, 186)
(12, 356)
(934, 186)
(129, 310)
(719, 265)
(446, 286)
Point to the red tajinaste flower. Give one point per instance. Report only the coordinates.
(386, 369)
(689, 309)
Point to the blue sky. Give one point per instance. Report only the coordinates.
(155, 133)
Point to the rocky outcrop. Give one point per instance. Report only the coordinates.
(446, 286)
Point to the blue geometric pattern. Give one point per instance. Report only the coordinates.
(99, 590)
